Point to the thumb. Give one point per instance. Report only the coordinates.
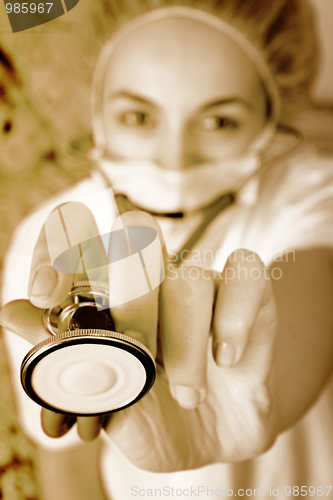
(24, 319)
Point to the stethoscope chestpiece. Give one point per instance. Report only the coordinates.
(86, 368)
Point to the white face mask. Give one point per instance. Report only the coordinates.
(156, 189)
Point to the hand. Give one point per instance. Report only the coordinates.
(198, 411)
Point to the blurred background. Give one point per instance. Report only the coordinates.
(45, 127)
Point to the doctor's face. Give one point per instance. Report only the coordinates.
(178, 92)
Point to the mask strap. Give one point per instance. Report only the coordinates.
(263, 139)
(248, 191)
(299, 142)
(209, 213)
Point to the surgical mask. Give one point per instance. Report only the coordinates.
(162, 191)
(158, 190)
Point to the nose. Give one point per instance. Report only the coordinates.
(176, 148)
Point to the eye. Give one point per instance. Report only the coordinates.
(211, 123)
(137, 119)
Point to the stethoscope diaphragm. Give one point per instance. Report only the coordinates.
(86, 371)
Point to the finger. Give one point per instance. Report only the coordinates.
(58, 254)
(260, 348)
(136, 270)
(89, 428)
(185, 318)
(47, 287)
(239, 299)
(55, 424)
(24, 319)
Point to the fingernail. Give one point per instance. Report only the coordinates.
(45, 282)
(224, 354)
(187, 397)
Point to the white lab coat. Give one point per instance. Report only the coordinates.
(293, 210)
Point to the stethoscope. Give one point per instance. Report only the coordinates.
(86, 367)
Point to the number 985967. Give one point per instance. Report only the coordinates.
(26, 8)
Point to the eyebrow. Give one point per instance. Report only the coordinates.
(130, 95)
(220, 102)
(228, 100)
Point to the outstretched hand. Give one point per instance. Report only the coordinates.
(214, 397)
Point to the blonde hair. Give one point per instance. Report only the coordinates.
(283, 31)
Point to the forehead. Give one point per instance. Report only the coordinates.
(177, 57)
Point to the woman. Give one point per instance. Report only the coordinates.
(188, 105)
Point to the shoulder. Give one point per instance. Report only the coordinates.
(305, 181)
(293, 210)
(295, 203)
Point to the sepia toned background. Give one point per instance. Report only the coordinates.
(45, 125)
